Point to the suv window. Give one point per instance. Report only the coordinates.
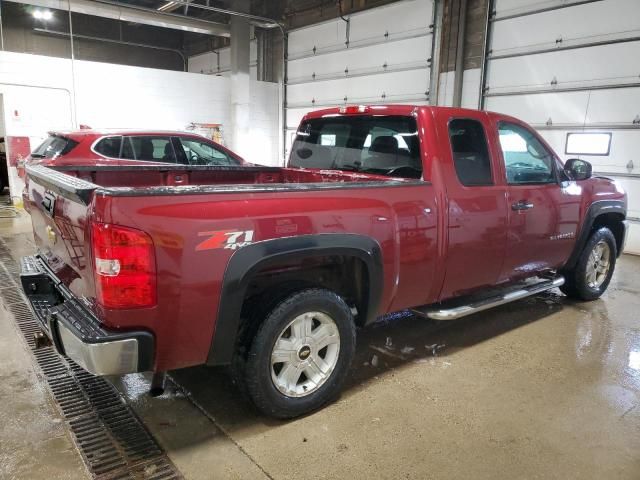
(200, 152)
(384, 145)
(470, 153)
(109, 147)
(149, 148)
(526, 159)
(54, 146)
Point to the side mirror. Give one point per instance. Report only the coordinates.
(577, 169)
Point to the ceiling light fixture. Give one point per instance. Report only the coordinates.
(42, 15)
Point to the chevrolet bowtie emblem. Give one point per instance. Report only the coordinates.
(51, 234)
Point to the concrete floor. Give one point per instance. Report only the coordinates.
(542, 388)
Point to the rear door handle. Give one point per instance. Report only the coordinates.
(522, 205)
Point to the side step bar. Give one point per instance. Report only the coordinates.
(484, 304)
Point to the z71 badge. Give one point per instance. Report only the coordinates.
(231, 239)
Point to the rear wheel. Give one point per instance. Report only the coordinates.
(592, 273)
(300, 356)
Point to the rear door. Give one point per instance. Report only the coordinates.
(202, 152)
(147, 148)
(477, 206)
(543, 212)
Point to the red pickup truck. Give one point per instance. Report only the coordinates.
(384, 208)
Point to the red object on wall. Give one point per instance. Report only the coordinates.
(18, 149)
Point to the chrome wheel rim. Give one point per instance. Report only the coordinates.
(598, 265)
(305, 354)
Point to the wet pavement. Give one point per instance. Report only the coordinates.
(34, 442)
(541, 388)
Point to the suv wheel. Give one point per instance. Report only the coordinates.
(300, 356)
(594, 269)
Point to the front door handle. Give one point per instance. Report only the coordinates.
(522, 205)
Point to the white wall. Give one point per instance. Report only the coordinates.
(38, 95)
(212, 63)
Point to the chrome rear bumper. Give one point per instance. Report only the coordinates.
(75, 331)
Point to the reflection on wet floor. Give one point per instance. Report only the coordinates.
(544, 387)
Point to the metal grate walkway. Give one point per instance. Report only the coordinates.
(112, 440)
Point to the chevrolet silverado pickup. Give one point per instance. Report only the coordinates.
(441, 211)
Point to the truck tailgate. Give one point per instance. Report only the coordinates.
(59, 206)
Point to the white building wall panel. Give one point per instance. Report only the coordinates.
(601, 65)
(403, 53)
(386, 60)
(586, 22)
(589, 71)
(511, 7)
(387, 22)
(386, 87)
(624, 147)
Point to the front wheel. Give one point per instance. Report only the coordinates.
(300, 356)
(592, 273)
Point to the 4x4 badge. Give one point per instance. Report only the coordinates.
(231, 239)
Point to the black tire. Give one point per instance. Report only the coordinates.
(258, 368)
(576, 284)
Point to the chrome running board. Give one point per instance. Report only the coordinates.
(484, 304)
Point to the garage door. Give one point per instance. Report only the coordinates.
(380, 56)
(572, 70)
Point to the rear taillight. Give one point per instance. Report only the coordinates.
(124, 266)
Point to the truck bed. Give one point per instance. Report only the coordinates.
(176, 179)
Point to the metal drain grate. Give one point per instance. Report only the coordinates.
(112, 440)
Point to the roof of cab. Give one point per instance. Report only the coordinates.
(389, 109)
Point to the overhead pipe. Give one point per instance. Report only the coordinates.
(436, 41)
(459, 71)
(261, 22)
(129, 13)
(486, 51)
(44, 31)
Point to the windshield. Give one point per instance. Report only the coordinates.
(384, 145)
(54, 146)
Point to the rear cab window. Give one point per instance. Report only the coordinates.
(382, 145)
(54, 146)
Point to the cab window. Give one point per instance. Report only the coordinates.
(199, 152)
(109, 147)
(470, 153)
(54, 146)
(526, 159)
(148, 148)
